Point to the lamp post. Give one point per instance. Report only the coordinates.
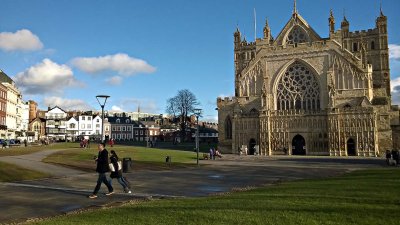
(102, 99)
(197, 113)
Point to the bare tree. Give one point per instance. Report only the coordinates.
(182, 105)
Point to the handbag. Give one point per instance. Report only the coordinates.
(111, 165)
(112, 169)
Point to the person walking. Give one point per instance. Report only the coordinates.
(117, 173)
(102, 168)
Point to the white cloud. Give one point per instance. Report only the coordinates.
(395, 84)
(22, 40)
(121, 63)
(115, 80)
(132, 104)
(67, 104)
(46, 77)
(394, 51)
(116, 108)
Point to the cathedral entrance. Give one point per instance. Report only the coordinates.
(351, 147)
(298, 145)
(252, 145)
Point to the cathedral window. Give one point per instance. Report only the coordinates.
(298, 89)
(228, 128)
(355, 46)
(297, 35)
(372, 45)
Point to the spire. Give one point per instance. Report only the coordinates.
(344, 22)
(331, 22)
(255, 26)
(380, 8)
(267, 30)
(294, 7)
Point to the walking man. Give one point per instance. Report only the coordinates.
(102, 168)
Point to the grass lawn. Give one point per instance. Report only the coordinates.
(10, 172)
(142, 157)
(361, 197)
(22, 150)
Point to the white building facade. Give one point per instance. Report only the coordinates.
(13, 114)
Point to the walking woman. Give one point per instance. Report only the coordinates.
(117, 173)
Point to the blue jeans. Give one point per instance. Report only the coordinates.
(122, 182)
(102, 179)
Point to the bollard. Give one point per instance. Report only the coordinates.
(168, 159)
(126, 164)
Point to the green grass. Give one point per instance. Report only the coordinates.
(10, 172)
(22, 150)
(362, 197)
(142, 157)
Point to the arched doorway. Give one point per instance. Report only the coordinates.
(252, 145)
(351, 147)
(298, 145)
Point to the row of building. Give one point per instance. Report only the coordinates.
(23, 120)
(58, 125)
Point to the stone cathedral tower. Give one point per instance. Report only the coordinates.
(301, 94)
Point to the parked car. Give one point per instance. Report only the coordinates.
(3, 143)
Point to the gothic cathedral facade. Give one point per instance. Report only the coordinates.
(301, 94)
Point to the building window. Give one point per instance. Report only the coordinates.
(72, 126)
(355, 46)
(117, 121)
(297, 35)
(83, 126)
(298, 88)
(228, 128)
(372, 45)
(83, 118)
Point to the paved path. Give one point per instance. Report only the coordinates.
(48, 197)
(34, 162)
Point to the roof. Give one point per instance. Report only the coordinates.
(113, 120)
(5, 78)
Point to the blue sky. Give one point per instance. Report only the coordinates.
(142, 52)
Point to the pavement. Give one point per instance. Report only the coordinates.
(67, 191)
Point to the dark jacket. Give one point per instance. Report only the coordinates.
(102, 162)
(118, 171)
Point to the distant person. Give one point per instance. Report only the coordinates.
(211, 153)
(102, 168)
(111, 142)
(117, 173)
(217, 153)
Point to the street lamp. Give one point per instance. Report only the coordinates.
(197, 113)
(102, 99)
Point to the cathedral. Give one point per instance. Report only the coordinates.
(302, 94)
